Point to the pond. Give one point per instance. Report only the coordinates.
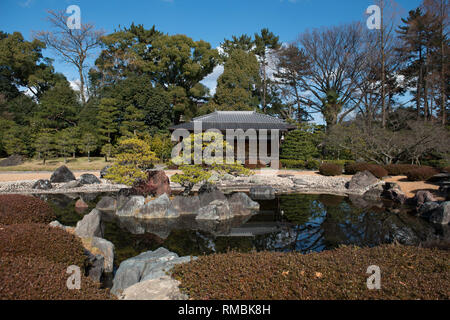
(294, 222)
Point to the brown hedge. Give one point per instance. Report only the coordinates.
(400, 169)
(36, 278)
(330, 169)
(15, 209)
(376, 170)
(406, 273)
(54, 244)
(421, 174)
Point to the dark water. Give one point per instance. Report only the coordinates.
(297, 222)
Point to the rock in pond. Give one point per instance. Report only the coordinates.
(362, 181)
(106, 250)
(88, 178)
(131, 206)
(42, 185)
(186, 205)
(160, 208)
(107, 204)
(216, 210)
(441, 215)
(262, 193)
(146, 266)
(392, 191)
(208, 197)
(62, 174)
(90, 225)
(241, 204)
(156, 183)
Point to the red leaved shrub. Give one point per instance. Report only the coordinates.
(399, 169)
(16, 208)
(330, 169)
(376, 170)
(36, 278)
(421, 173)
(34, 239)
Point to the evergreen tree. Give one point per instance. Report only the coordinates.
(88, 144)
(107, 119)
(133, 122)
(45, 145)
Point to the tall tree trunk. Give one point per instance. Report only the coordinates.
(383, 69)
(83, 97)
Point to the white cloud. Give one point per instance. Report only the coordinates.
(211, 80)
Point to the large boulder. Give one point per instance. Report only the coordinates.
(107, 204)
(442, 214)
(160, 208)
(146, 266)
(42, 185)
(90, 225)
(106, 250)
(186, 205)
(362, 181)
(208, 197)
(88, 178)
(156, 183)
(62, 174)
(423, 196)
(241, 204)
(95, 266)
(216, 210)
(164, 288)
(71, 185)
(131, 207)
(426, 209)
(262, 193)
(81, 206)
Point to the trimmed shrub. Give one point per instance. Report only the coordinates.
(399, 169)
(36, 278)
(376, 170)
(331, 274)
(330, 169)
(17, 209)
(312, 164)
(54, 244)
(421, 174)
(339, 162)
(292, 164)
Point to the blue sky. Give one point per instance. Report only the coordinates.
(209, 20)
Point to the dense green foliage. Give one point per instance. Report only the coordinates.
(303, 143)
(330, 169)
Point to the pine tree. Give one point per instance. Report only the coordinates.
(44, 145)
(88, 144)
(133, 121)
(106, 119)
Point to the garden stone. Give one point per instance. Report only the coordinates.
(134, 270)
(88, 178)
(13, 160)
(107, 204)
(106, 249)
(427, 208)
(156, 183)
(90, 225)
(422, 197)
(62, 174)
(227, 177)
(158, 209)
(164, 288)
(392, 191)
(262, 193)
(374, 193)
(442, 214)
(42, 185)
(208, 197)
(80, 204)
(95, 269)
(124, 194)
(186, 205)
(216, 210)
(131, 207)
(71, 185)
(362, 181)
(242, 204)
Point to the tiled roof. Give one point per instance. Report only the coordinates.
(245, 120)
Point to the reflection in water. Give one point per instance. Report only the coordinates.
(297, 222)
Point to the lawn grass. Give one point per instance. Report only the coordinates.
(406, 273)
(82, 163)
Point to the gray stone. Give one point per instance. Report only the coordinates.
(148, 265)
(208, 197)
(442, 214)
(71, 185)
(95, 269)
(107, 204)
(57, 224)
(186, 205)
(362, 181)
(164, 288)
(131, 207)
(242, 204)
(107, 251)
(373, 193)
(62, 174)
(90, 225)
(227, 177)
(88, 178)
(427, 208)
(216, 210)
(42, 185)
(262, 193)
(159, 208)
(392, 191)
(423, 196)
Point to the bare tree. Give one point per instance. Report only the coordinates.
(337, 58)
(72, 45)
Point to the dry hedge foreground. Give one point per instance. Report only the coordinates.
(406, 273)
(16, 208)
